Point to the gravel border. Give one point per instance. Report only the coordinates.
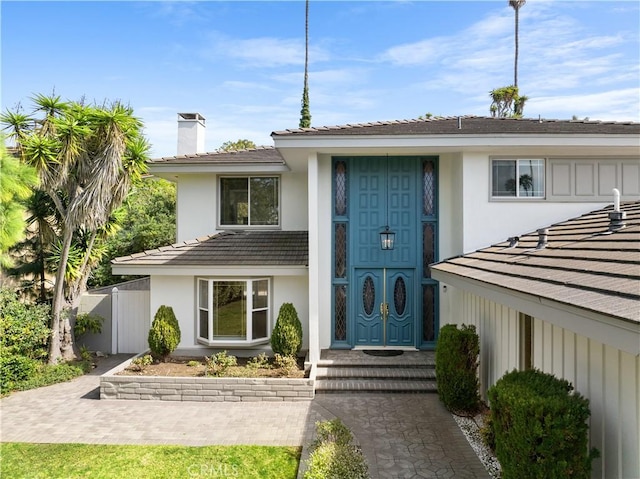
(470, 427)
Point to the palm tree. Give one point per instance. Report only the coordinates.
(516, 5)
(16, 183)
(87, 157)
(305, 114)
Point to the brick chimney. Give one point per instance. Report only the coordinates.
(190, 133)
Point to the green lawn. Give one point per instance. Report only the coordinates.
(39, 461)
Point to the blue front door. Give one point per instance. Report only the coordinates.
(384, 297)
(385, 309)
(383, 193)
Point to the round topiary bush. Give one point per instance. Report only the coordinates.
(164, 335)
(286, 338)
(457, 353)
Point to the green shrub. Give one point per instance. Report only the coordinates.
(286, 364)
(457, 353)
(261, 361)
(14, 369)
(333, 455)
(540, 427)
(24, 327)
(164, 335)
(218, 363)
(332, 431)
(48, 374)
(335, 461)
(141, 362)
(286, 338)
(87, 323)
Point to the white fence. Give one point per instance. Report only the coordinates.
(127, 320)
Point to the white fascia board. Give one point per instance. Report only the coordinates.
(456, 141)
(177, 169)
(223, 270)
(618, 333)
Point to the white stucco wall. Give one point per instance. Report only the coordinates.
(325, 258)
(450, 205)
(295, 290)
(607, 376)
(293, 211)
(196, 206)
(488, 222)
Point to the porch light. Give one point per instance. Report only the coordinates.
(387, 239)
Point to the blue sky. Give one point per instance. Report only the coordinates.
(240, 64)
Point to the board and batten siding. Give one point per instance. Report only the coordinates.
(607, 376)
(610, 379)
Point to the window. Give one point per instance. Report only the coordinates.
(517, 178)
(235, 311)
(249, 201)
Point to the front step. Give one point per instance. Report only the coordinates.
(353, 373)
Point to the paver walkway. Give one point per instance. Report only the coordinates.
(402, 435)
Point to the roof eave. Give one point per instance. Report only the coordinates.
(624, 335)
(457, 140)
(208, 270)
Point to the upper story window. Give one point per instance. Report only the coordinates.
(522, 178)
(250, 201)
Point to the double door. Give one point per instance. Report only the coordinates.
(385, 312)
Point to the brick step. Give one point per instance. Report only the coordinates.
(349, 385)
(395, 373)
(375, 363)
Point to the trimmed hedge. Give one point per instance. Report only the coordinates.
(457, 353)
(164, 335)
(286, 338)
(540, 427)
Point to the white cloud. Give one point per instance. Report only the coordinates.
(261, 51)
(617, 105)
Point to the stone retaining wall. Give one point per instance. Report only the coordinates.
(205, 389)
(114, 386)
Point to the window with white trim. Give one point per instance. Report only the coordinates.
(250, 201)
(521, 178)
(233, 311)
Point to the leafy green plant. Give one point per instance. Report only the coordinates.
(88, 323)
(286, 338)
(164, 335)
(23, 326)
(286, 364)
(85, 354)
(194, 364)
(457, 354)
(218, 363)
(141, 362)
(333, 454)
(14, 369)
(540, 427)
(261, 361)
(47, 374)
(332, 431)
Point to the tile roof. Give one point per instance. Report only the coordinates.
(241, 248)
(259, 155)
(583, 264)
(469, 125)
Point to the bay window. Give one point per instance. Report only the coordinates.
(233, 311)
(522, 178)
